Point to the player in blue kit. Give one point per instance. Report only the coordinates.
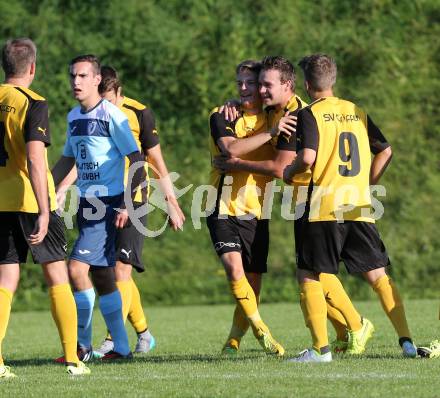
(98, 140)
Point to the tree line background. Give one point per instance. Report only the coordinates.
(179, 57)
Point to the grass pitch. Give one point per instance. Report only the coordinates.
(186, 361)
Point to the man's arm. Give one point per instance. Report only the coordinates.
(303, 162)
(307, 142)
(62, 169)
(123, 139)
(63, 186)
(149, 139)
(37, 167)
(138, 176)
(155, 158)
(381, 150)
(231, 146)
(379, 165)
(37, 137)
(272, 167)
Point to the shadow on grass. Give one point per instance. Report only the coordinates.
(248, 355)
(31, 362)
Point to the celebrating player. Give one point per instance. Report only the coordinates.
(239, 235)
(334, 140)
(98, 140)
(277, 89)
(27, 204)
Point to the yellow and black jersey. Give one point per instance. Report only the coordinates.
(23, 118)
(342, 135)
(282, 142)
(143, 126)
(239, 192)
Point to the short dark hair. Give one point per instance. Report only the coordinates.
(109, 80)
(248, 65)
(17, 55)
(282, 65)
(320, 71)
(93, 59)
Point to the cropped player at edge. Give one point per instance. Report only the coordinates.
(98, 140)
(129, 241)
(28, 220)
(334, 140)
(239, 236)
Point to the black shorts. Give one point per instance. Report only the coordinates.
(326, 243)
(15, 228)
(298, 225)
(249, 237)
(129, 244)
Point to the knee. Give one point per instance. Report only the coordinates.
(55, 273)
(79, 278)
(374, 275)
(233, 271)
(123, 271)
(104, 280)
(233, 265)
(9, 276)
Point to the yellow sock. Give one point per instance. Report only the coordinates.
(126, 290)
(338, 322)
(5, 310)
(333, 315)
(245, 296)
(136, 314)
(315, 313)
(337, 297)
(392, 304)
(240, 324)
(63, 309)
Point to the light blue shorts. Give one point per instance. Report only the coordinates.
(97, 237)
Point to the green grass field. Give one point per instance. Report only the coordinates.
(186, 362)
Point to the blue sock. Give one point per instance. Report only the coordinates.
(84, 300)
(111, 309)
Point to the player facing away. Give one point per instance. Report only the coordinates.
(239, 235)
(277, 89)
(129, 241)
(334, 140)
(98, 140)
(27, 204)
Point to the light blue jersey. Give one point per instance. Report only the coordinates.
(99, 140)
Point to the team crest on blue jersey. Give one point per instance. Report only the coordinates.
(91, 127)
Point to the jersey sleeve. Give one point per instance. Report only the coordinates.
(286, 143)
(148, 133)
(36, 126)
(220, 127)
(307, 135)
(121, 133)
(377, 140)
(68, 151)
